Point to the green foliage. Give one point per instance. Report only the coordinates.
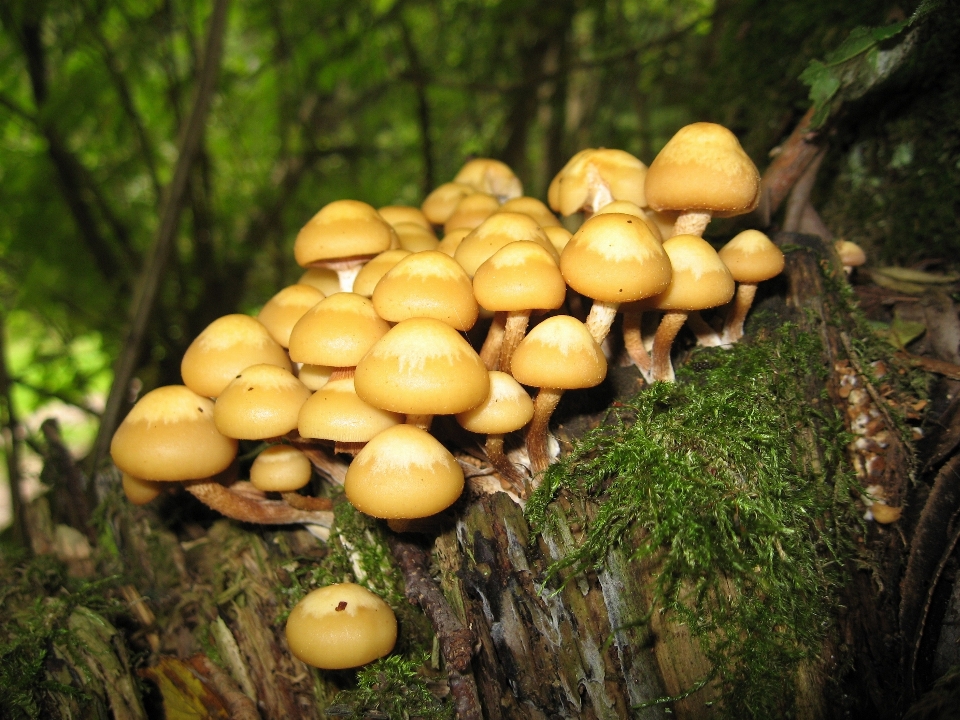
(730, 483)
(36, 603)
(393, 688)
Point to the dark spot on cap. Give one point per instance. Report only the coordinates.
(239, 375)
(630, 222)
(249, 389)
(199, 409)
(342, 606)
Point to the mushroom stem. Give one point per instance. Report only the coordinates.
(733, 327)
(514, 330)
(305, 502)
(421, 421)
(543, 407)
(670, 324)
(601, 318)
(706, 335)
(691, 223)
(500, 462)
(633, 340)
(247, 509)
(490, 352)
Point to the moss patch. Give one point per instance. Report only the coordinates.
(728, 479)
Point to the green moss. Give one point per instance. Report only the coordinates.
(36, 603)
(736, 486)
(395, 688)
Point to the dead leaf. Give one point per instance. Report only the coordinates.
(186, 696)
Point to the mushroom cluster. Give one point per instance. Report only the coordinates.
(370, 344)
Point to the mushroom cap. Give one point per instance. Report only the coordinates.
(751, 257)
(559, 237)
(343, 229)
(628, 208)
(395, 214)
(280, 468)
(427, 284)
(341, 626)
(263, 401)
(520, 276)
(495, 232)
(700, 279)
(314, 376)
(422, 367)
(140, 492)
(170, 435)
(615, 258)
(337, 331)
(588, 171)
(508, 407)
(559, 353)
(416, 238)
(224, 348)
(490, 176)
(404, 472)
(376, 268)
(440, 204)
(282, 311)
(532, 207)
(703, 168)
(323, 279)
(851, 254)
(471, 211)
(451, 241)
(336, 412)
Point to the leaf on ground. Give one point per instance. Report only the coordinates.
(186, 696)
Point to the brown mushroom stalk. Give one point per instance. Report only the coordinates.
(246, 509)
(691, 223)
(742, 302)
(493, 447)
(537, 444)
(492, 345)
(706, 335)
(514, 331)
(633, 340)
(670, 324)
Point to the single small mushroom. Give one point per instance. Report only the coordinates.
(594, 178)
(700, 281)
(262, 402)
(508, 407)
(284, 469)
(702, 172)
(558, 354)
(403, 473)
(341, 626)
(422, 367)
(370, 274)
(282, 311)
(517, 279)
(490, 176)
(614, 258)
(337, 332)
(851, 255)
(227, 346)
(440, 204)
(140, 492)
(343, 236)
(427, 284)
(416, 238)
(337, 413)
(751, 258)
(471, 211)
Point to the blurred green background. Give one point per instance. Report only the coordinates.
(381, 100)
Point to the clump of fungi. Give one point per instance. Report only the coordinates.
(357, 358)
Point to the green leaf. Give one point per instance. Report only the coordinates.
(860, 40)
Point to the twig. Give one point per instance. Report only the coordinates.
(931, 365)
(456, 640)
(149, 281)
(800, 194)
(795, 154)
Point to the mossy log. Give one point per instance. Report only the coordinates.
(204, 598)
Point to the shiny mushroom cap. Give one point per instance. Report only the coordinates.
(422, 367)
(396, 214)
(370, 274)
(343, 229)
(559, 353)
(341, 626)
(751, 257)
(440, 204)
(532, 207)
(263, 401)
(427, 284)
(170, 435)
(416, 238)
(594, 177)
(492, 177)
(282, 311)
(280, 468)
(520, 276)
(508, 407)
(337, 331)
(700, 279)
(703, 168)
(471, 211)
(615, 258)
(402, 473)
(495, 232)
(224, 348)
(336, 412)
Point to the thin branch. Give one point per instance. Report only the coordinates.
(153, 269)
(54, 395)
